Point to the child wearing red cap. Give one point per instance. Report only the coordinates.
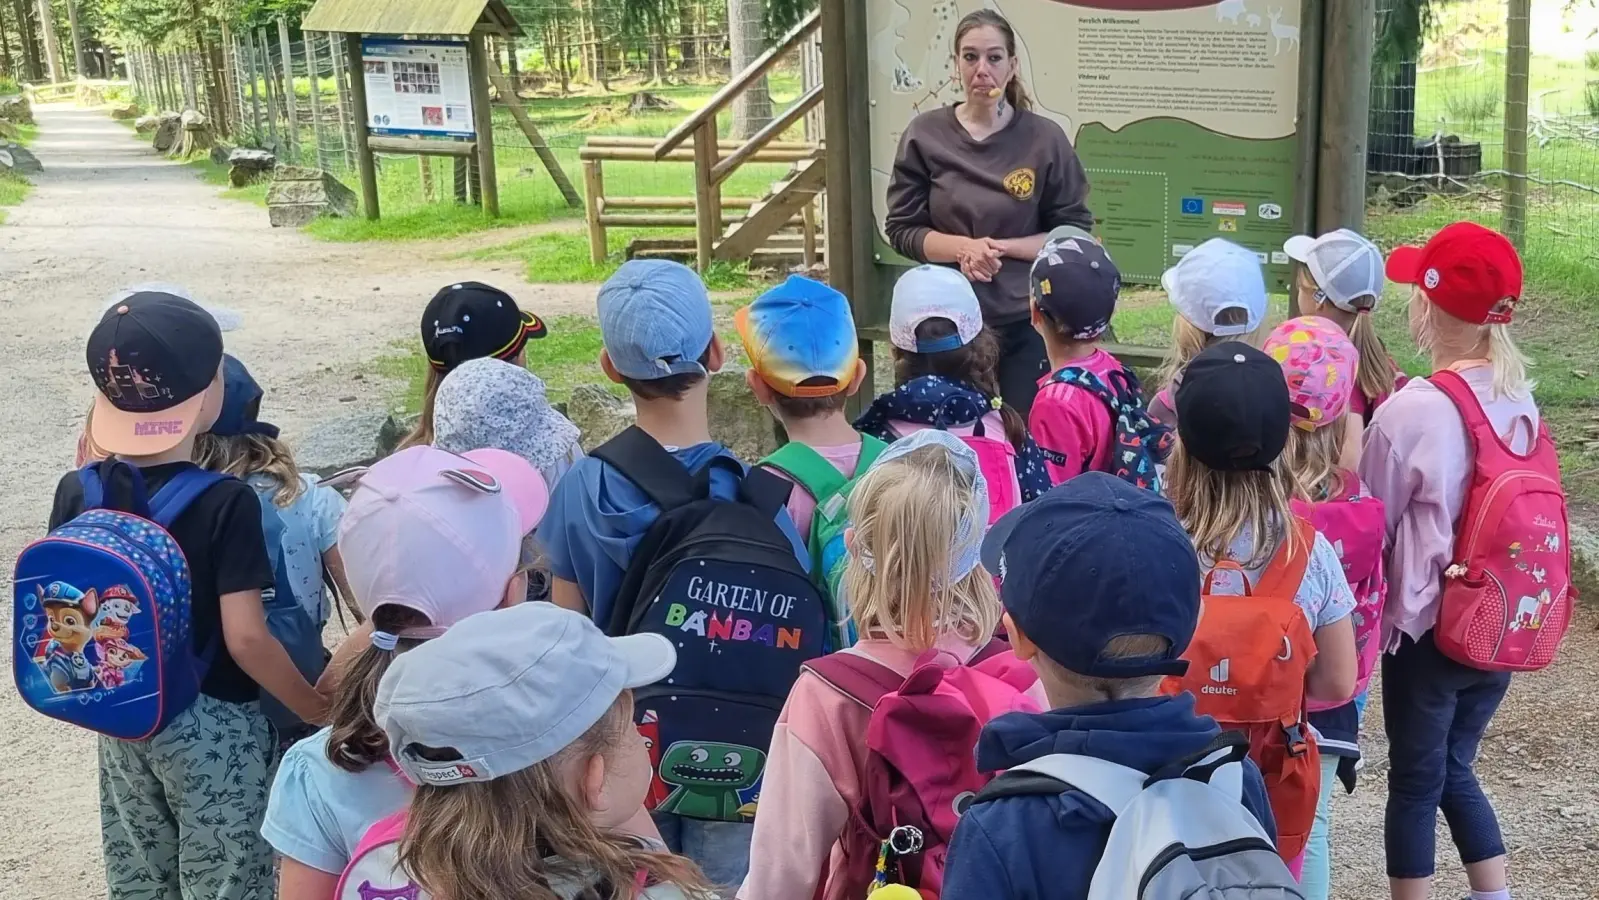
(1418, 460)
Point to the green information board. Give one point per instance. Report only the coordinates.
(1182, 112)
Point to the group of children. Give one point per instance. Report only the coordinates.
(799, 678)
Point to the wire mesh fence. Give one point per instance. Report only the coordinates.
(1442, 146)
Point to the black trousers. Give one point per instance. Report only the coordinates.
(1022, 361)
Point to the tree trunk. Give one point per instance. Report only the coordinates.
(752, 110)
(77, 39)
(30, 49)
(52, 45)
(5, 46)
(687, 58)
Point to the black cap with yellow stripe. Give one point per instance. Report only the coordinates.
(470, 320)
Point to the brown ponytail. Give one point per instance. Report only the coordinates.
(1376, 373)
(355, 741)
(1015, 92)
(976, 363)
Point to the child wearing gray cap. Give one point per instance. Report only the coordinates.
(517, 727)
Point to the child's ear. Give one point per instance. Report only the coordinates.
(592, 783)
(1024, 648)
(852, 543)
(758, 387)
(1033, 314)
(715, 355)
(515, 591)
(608, 367)
(859, 379)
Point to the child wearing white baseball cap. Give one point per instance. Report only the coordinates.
(429, 539)
(517, 728)
(1219, 291)
(1341, 279)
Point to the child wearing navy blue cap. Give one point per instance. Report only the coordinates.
(1101, 589)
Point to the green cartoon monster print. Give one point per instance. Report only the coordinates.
(708, 778)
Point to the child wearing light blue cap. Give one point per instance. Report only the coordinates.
(655, 321)
(518, 723)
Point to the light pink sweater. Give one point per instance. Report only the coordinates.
(812, 781)
(1417, 459)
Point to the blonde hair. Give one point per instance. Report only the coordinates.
(1312, 457)
(1375, 372)
(243, 455)
(1189, 340)
(422, 432)
(513, 836)
(906, 514)
(1440, 334)
(1215, 507)
(1125, 646)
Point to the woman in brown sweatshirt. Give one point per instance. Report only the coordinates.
(980, 184)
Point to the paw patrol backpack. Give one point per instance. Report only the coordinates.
(100, 617)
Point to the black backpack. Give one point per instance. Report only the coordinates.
(721, 581)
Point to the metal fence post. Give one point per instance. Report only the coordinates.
(346, 135)
(308, 50)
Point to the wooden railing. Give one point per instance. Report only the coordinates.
(711, 169)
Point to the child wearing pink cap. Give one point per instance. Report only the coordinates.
(429, 539)
(1321, 366)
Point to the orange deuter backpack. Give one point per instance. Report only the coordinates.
(1246, 669)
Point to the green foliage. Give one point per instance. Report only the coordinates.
(8, 85)
(1474, 107)
(1590, 98)
(1590, 60)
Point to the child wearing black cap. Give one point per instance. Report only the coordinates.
(465, 321)
(181, 811)
(1231, 487)
(1101, 593)
(1089, 414)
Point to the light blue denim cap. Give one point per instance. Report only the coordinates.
(507, 689)
(655, 319)
(967, 551)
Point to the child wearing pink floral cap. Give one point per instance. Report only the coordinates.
(1321, 365)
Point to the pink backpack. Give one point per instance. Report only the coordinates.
(1355, 523)
(1507, 597)
(374, 871)
(921, 771)
(996, 459)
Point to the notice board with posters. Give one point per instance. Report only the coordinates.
(421, 88)
(1182, 111)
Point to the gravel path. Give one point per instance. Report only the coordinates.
(108, 212)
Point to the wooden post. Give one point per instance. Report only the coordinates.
(593, 199)
(1308, 130)
(1518, 60)
(271, 90)
(808, 223)
(316, 98)
(707, 196)
(363, 153)
(341, 89)
(1348, 35)
(424, 167)
(255, 87)
(292, 113)
(477, 60)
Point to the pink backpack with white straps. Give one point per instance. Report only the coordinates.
(1507, 595)
(1355, 523)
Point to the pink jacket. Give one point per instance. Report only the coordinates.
(812, 782)
(1072, 426)
(1417, 460)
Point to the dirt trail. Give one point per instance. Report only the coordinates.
(108, 213)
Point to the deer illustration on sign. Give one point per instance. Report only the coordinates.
(1283, 32)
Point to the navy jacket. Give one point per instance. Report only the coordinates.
(1037, 847)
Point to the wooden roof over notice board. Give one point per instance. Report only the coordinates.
(421, 17)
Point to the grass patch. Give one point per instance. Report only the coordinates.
(213, 174)
(13, 190)
(562, 257)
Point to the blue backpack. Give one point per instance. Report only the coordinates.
(101, 617)
(287, 619)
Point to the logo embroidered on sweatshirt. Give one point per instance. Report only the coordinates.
(1020, 183)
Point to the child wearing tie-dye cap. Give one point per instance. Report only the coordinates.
(1321, 365)
(804, 366)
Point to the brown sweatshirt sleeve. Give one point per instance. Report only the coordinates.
(909, 221)
(1064, 199)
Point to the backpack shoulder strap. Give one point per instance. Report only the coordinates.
(809, 469)
(1283, 574)
(759, 488)
(856, 677)
(176, 495)
(642, 460)
(95, 479)
(1112, 784)
(993, 648)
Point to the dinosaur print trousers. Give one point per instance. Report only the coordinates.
(181, 813)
